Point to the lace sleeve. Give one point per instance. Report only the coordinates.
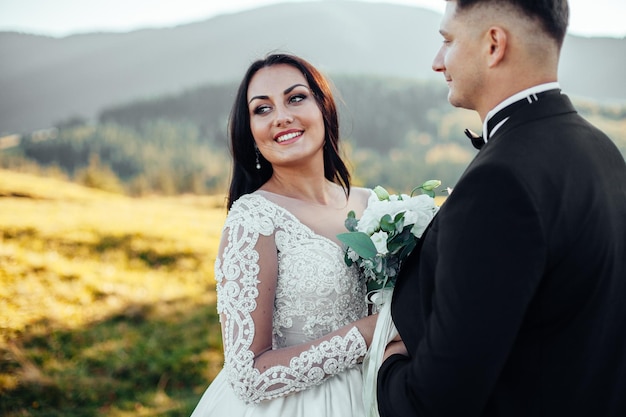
(246, 272)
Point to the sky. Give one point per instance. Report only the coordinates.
(60, 18)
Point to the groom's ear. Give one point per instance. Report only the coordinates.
(496, 41)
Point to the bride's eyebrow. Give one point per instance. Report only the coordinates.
(287, 91)
(290, 89)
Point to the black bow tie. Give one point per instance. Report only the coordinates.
(478, 141)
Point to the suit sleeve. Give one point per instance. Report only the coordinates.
(488, 255)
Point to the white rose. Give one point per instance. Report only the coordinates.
(419, 227)
(410, 217)
(425, 209)
(414, 208)
(380, 241)
(370, 221)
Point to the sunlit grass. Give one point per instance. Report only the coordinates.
(107, 303)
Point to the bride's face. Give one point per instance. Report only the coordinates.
(285, 119)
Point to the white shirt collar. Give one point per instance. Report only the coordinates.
(515, 97)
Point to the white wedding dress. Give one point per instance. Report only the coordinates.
(314, 369)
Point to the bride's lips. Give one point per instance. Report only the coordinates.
(288, 135)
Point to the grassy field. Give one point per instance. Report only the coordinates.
(107, 303)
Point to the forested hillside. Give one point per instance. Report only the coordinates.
(397, 132)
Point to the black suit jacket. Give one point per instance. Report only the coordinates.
(514, 303)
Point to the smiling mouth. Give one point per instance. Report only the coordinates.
(288, 136)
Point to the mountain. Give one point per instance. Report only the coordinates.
(45, 80)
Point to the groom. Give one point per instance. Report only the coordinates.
(514, 304)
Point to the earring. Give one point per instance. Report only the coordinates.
(258, 164)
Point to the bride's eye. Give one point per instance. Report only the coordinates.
(262, 109)
(297, 98)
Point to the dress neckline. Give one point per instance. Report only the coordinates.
(311, 203)
(257, 193)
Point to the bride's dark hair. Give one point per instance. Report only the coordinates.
(246, 178)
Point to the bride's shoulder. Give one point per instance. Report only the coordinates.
(361, 193)
(359, 196)
(253, 213)
(248, 201)
(252, 205)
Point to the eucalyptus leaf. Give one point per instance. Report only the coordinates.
(403, 238)
(351, 221)
(406, 251)
(399, 221)
(387, 224)
(360, 243)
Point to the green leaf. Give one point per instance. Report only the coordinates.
(406, 251)
(387, 224)
(351, 222)
(401, 240)
(399, 221)
(360, 243)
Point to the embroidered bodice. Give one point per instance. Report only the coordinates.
(268, 252)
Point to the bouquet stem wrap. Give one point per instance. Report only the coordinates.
(385, 332)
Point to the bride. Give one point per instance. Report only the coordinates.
(294, 321)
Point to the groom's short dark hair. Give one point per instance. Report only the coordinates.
(553, 14)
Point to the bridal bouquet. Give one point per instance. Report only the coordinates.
(387, 232)
(378, 242)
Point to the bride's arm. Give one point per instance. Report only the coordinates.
(246, 270)
(395, 347)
